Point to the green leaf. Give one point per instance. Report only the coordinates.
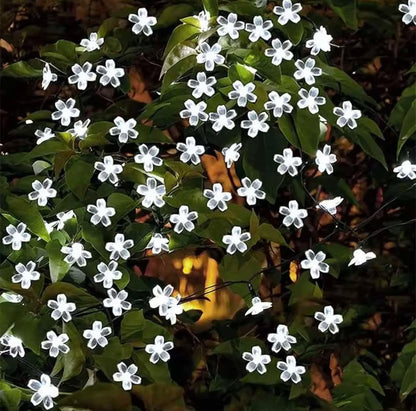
(122, 203)
(211, 6)
(178, 53)
(9, 397)
(178, 70)
(287, 128)
(21, 69)
(172, 14)
(96, 135)
(57, 266)
(409, 380)
(74, 361)
(148, 134)
(27, 213)
(347, 10)
(270, 233)
(180, 34)
(78, 173)
(308, 130)
(303, 289)
(9, 312)
(367, 143)
(408, 129)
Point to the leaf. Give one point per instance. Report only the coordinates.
(347, 10)
(178, 70)
(9, 397)
(308, 130)
(180, 34)
(268, 232)
(48, 147)
(140, 233)
(211, 6)
(287, 128)
(27, 213)
(367, 143)
(9, 312)
(303, 289)
(179, 52)
(148, 134)
(172, 14)
(241, 72)
(95, 135)
(408, 129)
(78, 174)
(122, 203)
(409, 380)
(74, 361)
(57, 266)
(21, 69)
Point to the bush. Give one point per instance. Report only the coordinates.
(118, 177)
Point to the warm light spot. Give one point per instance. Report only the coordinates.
(187, 264)
(293, 272)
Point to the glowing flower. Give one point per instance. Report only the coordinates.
(142, 22)
(44, 135)
(279, 51)
(17, 236)
(184, 219)
(307, 70)
(117, 301)
(47, 76)
(288, 163)
(217, 197)
(126, 375)
(222, 118)
(288, 12)
(152, 193)
(14, 345)
(210, 56)
(243, 93)
(256, 360)
(124, 129)
(63, 217)
(314, 263)
(174, 309)
(230, 26)
(108, 170)
(101, 213)
(82, 75)
(236, 241)
(255, 123)
(258, 306)
(203, 19)
(80, 129)
(42, 192)
(194, 112)
(159, 350)
(110, 73)
(291, 371)
(347, 115)
(251, 190)
(158, 243)
(293, 214)
(162, 299)
(409, 11)
(281, 339)
(97, 335)
(190, 151)
(45, 391)
(330, 206)
(360, 257)
(202, 85)
(321, 41)
(259, 29)
(119, 248)
(231, 154)
(92, 43)
(406, 169)
(324, 159)
(55, 344)
(310, 99)
(61, 308)
(76, 254)
(12, 297)
(25, 274)
(107, 274)
(279, 104)
(65, 110)
(328, 320)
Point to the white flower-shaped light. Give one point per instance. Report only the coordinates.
(124, 129)
(162, 299)
(61, 308)
(194, 112)
(47, 76)
(107, 274)
(243, 93)
(251, 190)
(203, 20)
(256, 360)
(360, 257)
(65, 111)
(314, 263)
(222, 118)
(291, 371)
(288, 12)
(148, 157)
(108, 170)
(231, 154)
(328, 320)
(97, 335)
(158, 243)
(25, 274)
(324, 159)
(258, 306)
(16, 236)
(288, 163)
(63, 217)
(44, 135)
(110, 73)
(12, 297)
(307, 70)
(101, 213)
(183, 220)
(347, 115)
(202, 85)
(279, 51)
(406, 169)
(117, 301)
(293, 214)
(310, 99)
(126, 375)
(42, 192)
(321, 41)
(82, 75)
(217, 197)
(92, 43)
(236, 241)
(55, 343)
(119, 248)
(174, 309)
(260, 3)
(13, 344)
(76, 254)
(190, 151)
(281, 339)
(230, 26)
(159, 350)
(255, 123)
(80, 129)
(152, 193)
(45, 391)
(330, 206)
(259, 29)
(279, 104)
(142, 22)
(409, 11)
(210, 56)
